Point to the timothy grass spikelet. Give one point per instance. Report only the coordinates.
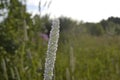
(51, 52)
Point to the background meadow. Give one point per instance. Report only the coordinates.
(86, 51)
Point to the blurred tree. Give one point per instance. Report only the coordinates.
(111, 28)
(115, 20)
(95, 29)
(67, 23)
(12, 26)
(41, 24)
(114, 25)
(104, 24)
(111, 25)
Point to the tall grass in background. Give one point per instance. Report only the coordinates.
(79, 57)
(96, 58)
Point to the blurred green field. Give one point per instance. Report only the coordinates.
(85, 57)
(79, 57)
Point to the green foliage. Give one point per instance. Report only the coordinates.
(115, 20)
(3, 3)
(111, 25)
(95, 29)
(11, 28)
(96, 58)
(41, 24)
(86, 51)
(67, 23)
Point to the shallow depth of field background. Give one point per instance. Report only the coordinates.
(86, 51)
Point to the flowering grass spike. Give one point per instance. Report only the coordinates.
(51, 52)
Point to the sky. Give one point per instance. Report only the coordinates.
(81, 10)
